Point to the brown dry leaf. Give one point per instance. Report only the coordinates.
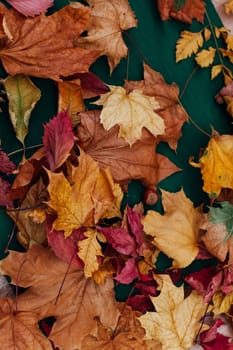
(167, 96)
(70, 98)
(127, 335)
(107, 21)
(176, 232)
(34, 44)
(215, 239)
(131, 111)
(20, 329)
(138, 162)
(176, 320)
(83, 202)
(191, 9)
(77, 305)
(30, 217)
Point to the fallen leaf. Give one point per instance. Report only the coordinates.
(127, 335)
(83, 202)
(29, 8)
(205, 58)
(58, 140)
(64, 248)
(228, 6)
(176, 232)
(20, 328)
(104, 33)
(75, 302)
(176, 320)
(167, 96)
(188, 44)
(91, 85)
(138, 162)
(31, 229)
(223, 214)
(89, 249)
(216, 239)
(23, 96)
(5, 199)
(191, 9)
(131, 112)
(216, 164)
(6, 165)
(34, 44)
(213, 338)
(222, 302)
(70, 98)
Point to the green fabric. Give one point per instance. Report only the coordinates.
(153, 42)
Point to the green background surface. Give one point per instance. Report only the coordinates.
(153, 42)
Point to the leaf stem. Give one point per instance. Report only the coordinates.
(188, 81)
(215, 39)
(24, 149)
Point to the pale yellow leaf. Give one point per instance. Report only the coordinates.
(89, 250)
(131, 112)
(176, 232)
(207, 34)
(175, 322)
(205, 57)
(188, 44)
(216, 70)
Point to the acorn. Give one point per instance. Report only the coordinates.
(150, 195)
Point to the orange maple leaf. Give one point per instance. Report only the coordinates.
(32, 45)
(76, 302)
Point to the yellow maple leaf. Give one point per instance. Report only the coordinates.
(175, 233)
(74, 201)
(228, 5)
(217, 164)
(188, 44)
(89, 250)
(176, 320)
(131, 112)
(222, 302)
(205, 57)
(216, 70)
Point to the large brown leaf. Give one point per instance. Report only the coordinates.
(167, 95)
(79, 304)
(108, 20)
(32, 45)
(138, 162)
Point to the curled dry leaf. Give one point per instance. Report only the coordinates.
(107, 22)
(131, 111)
(76, 307)
(32, 45)
(165, 324)
(31, 8)
(191, 9)
(139, 162)
(176, 232)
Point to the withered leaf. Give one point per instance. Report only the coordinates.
(79, 303)
(34, 44)
(138, 162)
(107, 21)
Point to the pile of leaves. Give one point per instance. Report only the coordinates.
(80, 238)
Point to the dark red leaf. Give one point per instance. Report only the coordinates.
(4, 193)
(58, 140)
(6, 165)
